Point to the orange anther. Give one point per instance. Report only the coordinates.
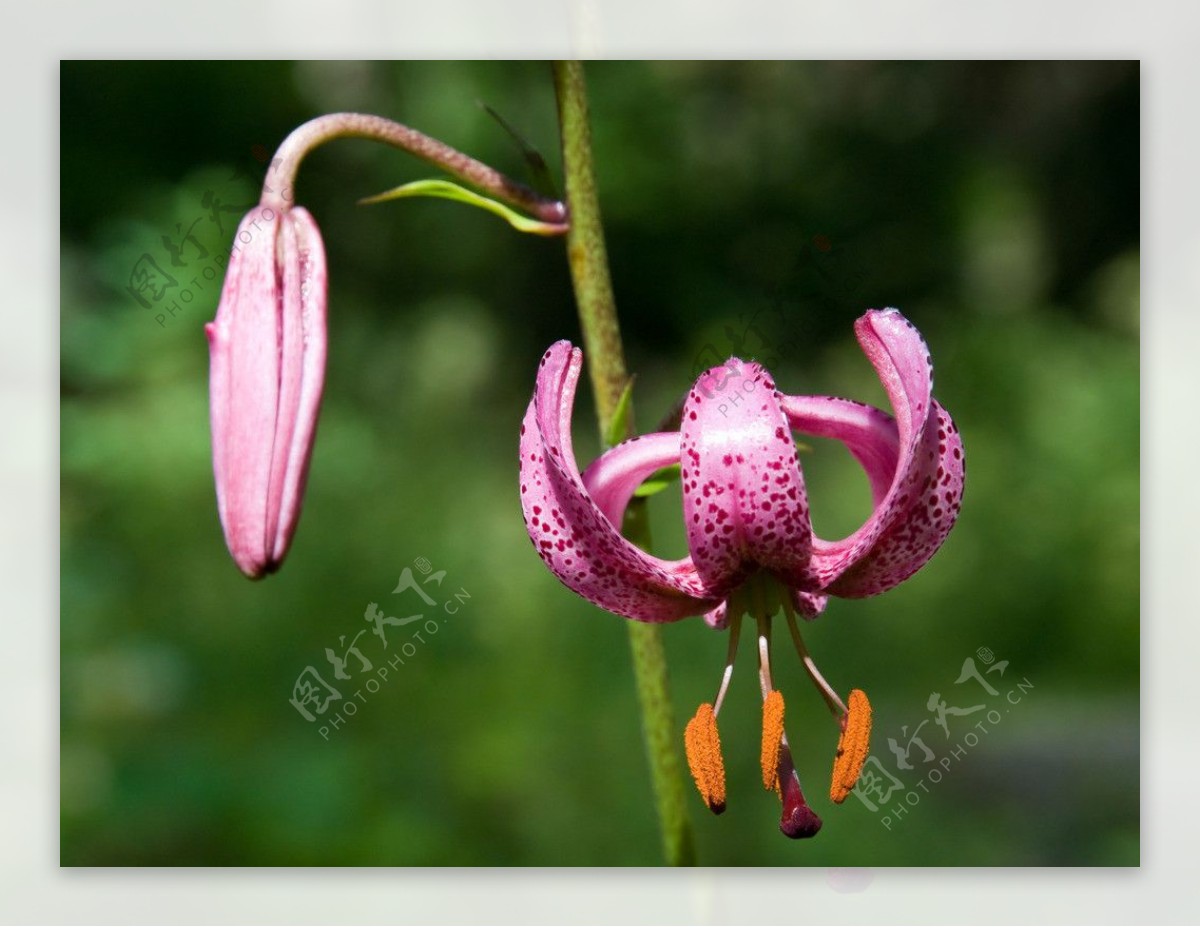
(772, 738)
(703, 746)
(852, 746)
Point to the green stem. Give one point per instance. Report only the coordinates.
(281, 176)
(606, 365)
(658, 718)
(585, 247)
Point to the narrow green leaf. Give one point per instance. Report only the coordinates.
(445, 189)
(657, 481)
(618, 426)
(540, 174)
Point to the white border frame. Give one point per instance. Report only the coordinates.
(35, 890)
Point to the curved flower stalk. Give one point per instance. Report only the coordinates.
(268, 341)
(752, 548)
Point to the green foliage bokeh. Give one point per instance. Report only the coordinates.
(996, 204)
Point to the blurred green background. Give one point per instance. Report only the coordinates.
(756, 207)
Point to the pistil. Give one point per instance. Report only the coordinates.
(798, 819)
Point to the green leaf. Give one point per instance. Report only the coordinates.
(618, 427)
(445, 189)
(657, 481)
(542, 181)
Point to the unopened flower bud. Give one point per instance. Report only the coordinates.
(267, 348)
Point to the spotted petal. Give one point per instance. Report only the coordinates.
(570, 531)
(613, 477)
(868, 433)
(744, 503)
(914, 463)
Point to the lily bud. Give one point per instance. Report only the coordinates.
(267, 370)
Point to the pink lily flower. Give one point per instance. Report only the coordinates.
(752, 547)
(267, 370)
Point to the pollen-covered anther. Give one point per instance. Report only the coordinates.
(702, 743)
(772, 738)
(852, 746)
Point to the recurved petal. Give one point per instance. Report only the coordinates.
(915, 513)
(570, 532)
(244, 388)
(718, 618)
(930, 498)
(744, 503)
(612, 478)
(809, 604)
(868, 433)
